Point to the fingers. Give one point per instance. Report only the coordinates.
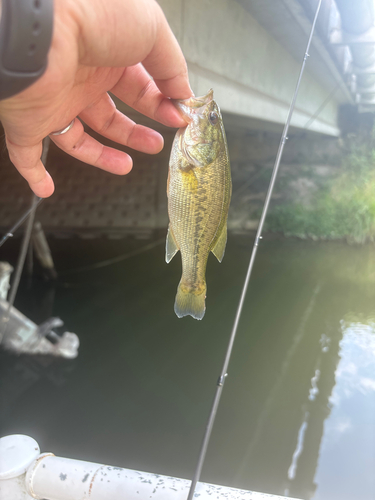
(134, 31)
(139, 91)
(112, 35)
(166, 63)
(85, 148)
(27, 161)
(75, 142)
(104, 118)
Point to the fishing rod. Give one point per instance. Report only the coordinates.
(258, 237)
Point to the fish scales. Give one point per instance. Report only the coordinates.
(197, 215)
(199, 190)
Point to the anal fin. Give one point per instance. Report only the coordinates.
(171, 247)
(219, 247)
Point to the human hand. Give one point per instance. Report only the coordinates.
(98, 46)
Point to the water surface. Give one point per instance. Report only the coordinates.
(297, 415)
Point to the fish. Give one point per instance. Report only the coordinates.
(199, 189)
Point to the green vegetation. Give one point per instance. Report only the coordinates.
(344, 208)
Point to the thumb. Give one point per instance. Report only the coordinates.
(27, 161)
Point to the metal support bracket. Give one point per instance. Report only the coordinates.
(341, 37)
(366, 90)
(369, 108)
(368, 70)
(361, 100)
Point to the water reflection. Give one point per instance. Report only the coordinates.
(283, 429)
(277, 389)
(351, 424)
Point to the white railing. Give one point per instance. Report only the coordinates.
(25, 474)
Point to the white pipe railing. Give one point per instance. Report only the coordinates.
(26, 475)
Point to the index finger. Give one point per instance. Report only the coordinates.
(166, 63)
(27, 161)
(134, 31)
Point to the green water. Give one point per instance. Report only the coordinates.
(297, 415)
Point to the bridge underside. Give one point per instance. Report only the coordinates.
(250, 52)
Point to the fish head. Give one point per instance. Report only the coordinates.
(202, 140)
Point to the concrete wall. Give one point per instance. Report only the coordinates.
(252, 74)
(309, 162)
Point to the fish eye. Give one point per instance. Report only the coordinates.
(213, 118)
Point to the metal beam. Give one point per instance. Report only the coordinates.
(357, 16)
(362, 100)
(368, 70)
(366, 108)
(366, 90)
(340, 37)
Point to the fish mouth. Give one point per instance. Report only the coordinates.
(189, 106)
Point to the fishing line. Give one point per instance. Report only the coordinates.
(20, 221)
(24, 246)
(319, 110)
(19, 267)
(221, 380)
(115, 260)
(36, 200)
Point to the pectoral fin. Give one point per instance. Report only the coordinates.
(171, 246)
(219, 247)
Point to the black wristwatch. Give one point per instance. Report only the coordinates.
(25, 39)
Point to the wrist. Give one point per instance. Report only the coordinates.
(25, 38)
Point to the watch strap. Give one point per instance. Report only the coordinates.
(25, 38)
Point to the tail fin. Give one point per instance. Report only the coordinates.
(189, 302)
